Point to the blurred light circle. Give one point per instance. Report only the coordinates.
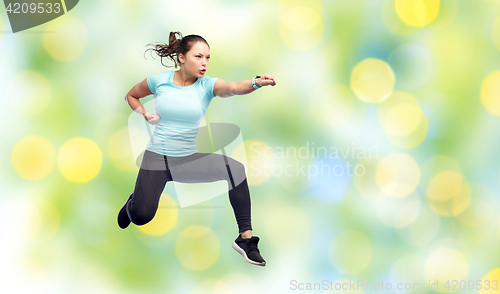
(279, 224)
(490, 93)
(404, 122)
(397, 175)
(65, 38)
(454, 205)
(164, 219)
(493, 275)
(331, 105)
(496, 32)
(444, 185)
(417, 13)
(301, 27)
(412, 64)
(412, 140)
(398, 212)
(447, 13)
(259, 158)
(33, 157)
(197, 248)
(372, 80)
(422, 230)
(29, 93)
(403, 119)
(119, 150)
(448, 193)
(301, 19)
(350, 252)
(79, 160)
(393, 22)
(481, 209)
(435, 165)
(445, 264)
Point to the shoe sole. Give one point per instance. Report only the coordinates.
(242, 252)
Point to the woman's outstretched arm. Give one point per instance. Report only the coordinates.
(227, 89)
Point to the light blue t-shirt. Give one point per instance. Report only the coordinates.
(181, 110)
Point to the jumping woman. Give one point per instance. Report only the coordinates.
(181, 100)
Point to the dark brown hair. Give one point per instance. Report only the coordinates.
(176, 46)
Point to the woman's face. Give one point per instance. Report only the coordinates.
(196, 60)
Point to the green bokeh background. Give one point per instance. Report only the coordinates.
(61, 236)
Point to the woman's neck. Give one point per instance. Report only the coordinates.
(181, 78)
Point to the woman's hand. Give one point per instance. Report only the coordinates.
(151, 118)
(265, 80)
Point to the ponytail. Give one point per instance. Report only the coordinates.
(168, 50)
(176, 46)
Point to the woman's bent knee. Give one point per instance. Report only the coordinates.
(237, 171)
(141, 216)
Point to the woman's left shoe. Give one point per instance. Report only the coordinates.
(248, 248)
(123, 219)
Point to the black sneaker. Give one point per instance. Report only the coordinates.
(123, 219)
(248, 248)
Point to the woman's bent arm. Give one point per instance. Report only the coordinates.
(138, 91)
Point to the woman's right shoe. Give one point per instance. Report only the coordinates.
(248, 248)
(123, 219)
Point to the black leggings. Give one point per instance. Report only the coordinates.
(157, 169)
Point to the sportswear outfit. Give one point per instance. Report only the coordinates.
(171, 155)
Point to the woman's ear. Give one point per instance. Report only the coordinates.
(182, 58)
